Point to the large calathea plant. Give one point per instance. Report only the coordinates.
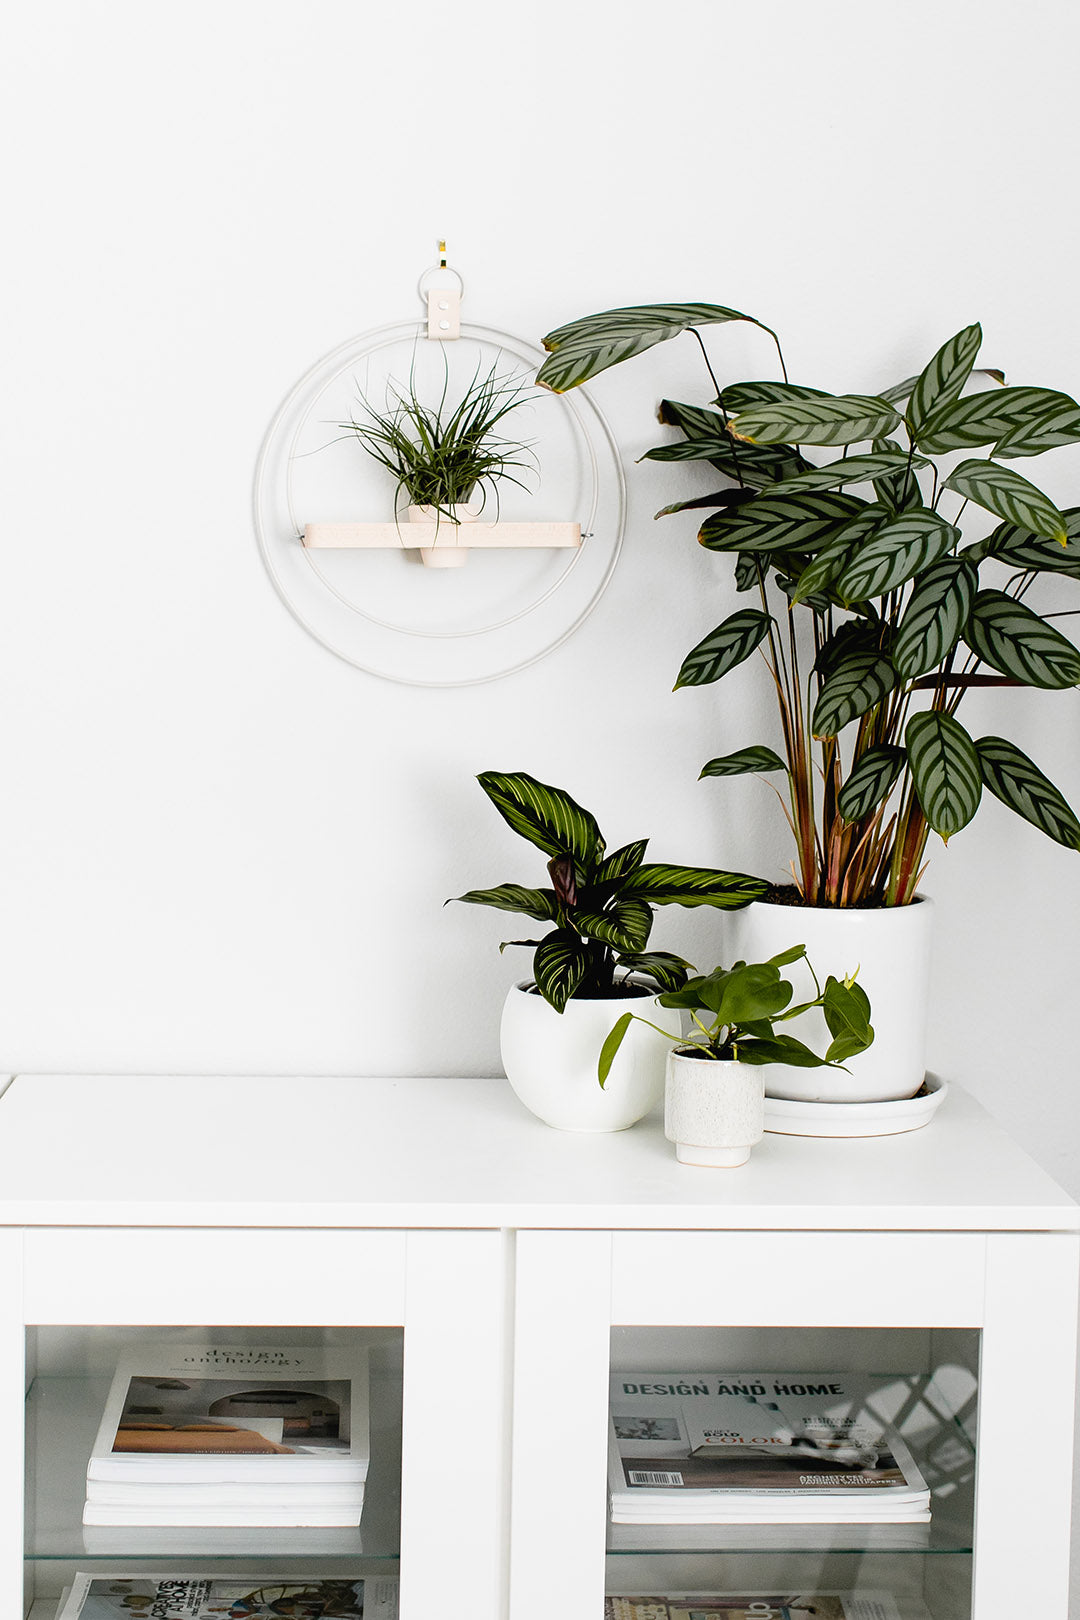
(599, 906)
(875, 610)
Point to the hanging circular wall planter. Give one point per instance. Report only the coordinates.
(345, 555)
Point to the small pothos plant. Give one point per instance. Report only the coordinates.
(599, 906)
(886, 585)
(734, 1012)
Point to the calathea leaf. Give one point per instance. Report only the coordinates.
(779, 523)
(898, 392)
(848, 470)
(944, 377)
(1011, 638)
(740, 396)
(944, 769)
(625, 925)
(624, 860)
(666, 970)
(750, 570)
(581, 349)
(897, 551)
(817, 601)
(1019, 548)
(743, 762)
(833, 419)
(822, 571)
(752, 464)
(870, 781)
(729, 644)
(860, 680)
(723, 497)
(851, 637)
(538, 903)
(990, 417)
(1008, 496)
(935, 615)
(547, 816)
(1059, 424)
(1019, 783)
(694, 886)
(899, 491)
(559, 966)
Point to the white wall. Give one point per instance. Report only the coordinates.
(224, 849)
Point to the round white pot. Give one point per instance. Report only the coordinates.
(550, 1059)
(890, 946)
(448, 550)
(714, 1112)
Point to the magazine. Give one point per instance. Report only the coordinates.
(755, 1447)
(300, 1514)
(235, 1412)
(805, 1605)
(231, 1597)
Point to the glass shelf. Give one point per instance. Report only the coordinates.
(63, 1414)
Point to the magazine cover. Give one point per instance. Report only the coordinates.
(757, 1606)
(178, 1597)
(693, 1444)
(241, 1412)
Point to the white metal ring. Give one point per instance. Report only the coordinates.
(437, 270)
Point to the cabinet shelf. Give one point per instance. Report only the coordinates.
(62, 1419)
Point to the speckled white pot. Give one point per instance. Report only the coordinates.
(550, 1059)
(891, 949)
(714, 1112)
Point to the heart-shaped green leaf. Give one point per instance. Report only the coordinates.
(944, 769)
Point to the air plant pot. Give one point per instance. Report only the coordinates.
(550, 1059)
(890, 946)
(448, 551)
(714, 1111)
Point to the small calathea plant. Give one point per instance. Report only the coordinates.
(875, 611)
(734, 1011)
(599, 905)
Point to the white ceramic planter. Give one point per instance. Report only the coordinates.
(448, 550)
(550, 1059)
(714, 1112)
(891, 949)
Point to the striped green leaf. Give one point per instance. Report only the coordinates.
(944, 769)
(758, 465)
(895, 553)
(861, 679)
(898, 392)
(943, 379)
(779, 523)
(744, 761)
(935, 615)
(722, 497)
(856, 635)
(1019, 548)
(694, 886)
(870, 781)
(625, 926)
(835, 419)
(664, 968)
(729, 644)
(999, 414)
(621, 861)
(1020, 784)
(1007, 495)
(899, 491)
(1011, 638)
(848, 470)
(741, 396)
(1059, 424)
(547, 816)
(822, 571)
(538, 903)
(581, 349)
(559, 966)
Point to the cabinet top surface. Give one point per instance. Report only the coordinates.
(282, 1151)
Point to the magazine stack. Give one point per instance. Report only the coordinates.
(212, 1434)
(803, 1605)
(203, 1597)
(757, 1448)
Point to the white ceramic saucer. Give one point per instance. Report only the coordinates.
(788, 1118)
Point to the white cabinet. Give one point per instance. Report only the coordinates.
(499, 1270)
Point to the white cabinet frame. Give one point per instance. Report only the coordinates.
(1019, 1289)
